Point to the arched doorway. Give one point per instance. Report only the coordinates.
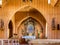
(10, 26)
(31, 28)
(28, 12)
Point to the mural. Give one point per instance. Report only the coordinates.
(31, 27)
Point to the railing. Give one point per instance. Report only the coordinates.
(38, 41)
(9, 42)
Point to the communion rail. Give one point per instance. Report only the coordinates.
(45, 42)
(32, 42)
(9, 42)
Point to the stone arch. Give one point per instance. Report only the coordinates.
(24, 7)
(41, 28)
(27, 18)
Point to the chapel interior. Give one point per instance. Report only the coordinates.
(37, 19)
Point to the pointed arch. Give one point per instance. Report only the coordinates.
(34, 10)
(32, 18)
(19, 9)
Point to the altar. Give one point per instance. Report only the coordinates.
(45, 42)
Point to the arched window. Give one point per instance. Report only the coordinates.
(31, 27)
(10, 26)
